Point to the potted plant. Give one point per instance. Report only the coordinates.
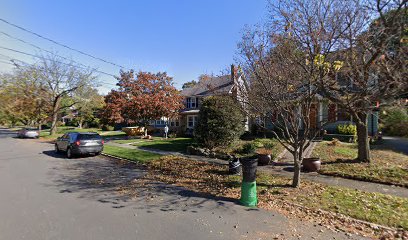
(264, 156)
(311, 164)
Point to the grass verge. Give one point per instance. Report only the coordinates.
(130, 154)
(387, 166)
(170, 144)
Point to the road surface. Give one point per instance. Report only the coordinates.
(46, 196)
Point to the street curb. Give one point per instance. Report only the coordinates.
(123, 159)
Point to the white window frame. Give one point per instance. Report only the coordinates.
(191, 101)
(174, 123)
(194, 121)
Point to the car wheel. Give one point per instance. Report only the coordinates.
(69, 153)
(57, 149)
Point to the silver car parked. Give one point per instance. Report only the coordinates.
(28, 133)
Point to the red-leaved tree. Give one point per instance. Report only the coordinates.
(141, 98)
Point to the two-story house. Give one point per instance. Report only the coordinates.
(193, 97)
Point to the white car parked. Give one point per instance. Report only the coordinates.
(28, 133)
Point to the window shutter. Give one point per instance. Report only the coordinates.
(196, 102)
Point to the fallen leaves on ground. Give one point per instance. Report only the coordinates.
(274, 193)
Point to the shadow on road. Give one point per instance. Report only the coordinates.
(53, 154)
(121, 184)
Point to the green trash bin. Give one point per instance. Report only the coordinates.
(248, 188)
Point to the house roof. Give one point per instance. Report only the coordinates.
(211, 86)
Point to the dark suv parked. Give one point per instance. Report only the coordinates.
(79, 143)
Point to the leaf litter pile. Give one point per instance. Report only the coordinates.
(332, 207)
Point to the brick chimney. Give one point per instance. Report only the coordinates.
(233, 73)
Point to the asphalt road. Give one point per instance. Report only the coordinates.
(46, 196)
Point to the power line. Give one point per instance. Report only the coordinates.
(39, 48)
(32, 55)
(12, 59)
(65, 58)
(5, 62)
(60, 44)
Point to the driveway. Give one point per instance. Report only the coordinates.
(46, 196)
(398, 144)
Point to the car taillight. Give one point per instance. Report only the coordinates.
(77, 143)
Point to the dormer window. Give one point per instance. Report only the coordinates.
(191, 102)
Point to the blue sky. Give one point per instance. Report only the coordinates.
(183, 38)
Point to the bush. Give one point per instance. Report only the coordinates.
(264, 143)
(107, 128)
(268, 145)
(395, 121)
(220, 122)
(347, 129)
(248, 148)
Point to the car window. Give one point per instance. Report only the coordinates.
(72, 137)
(85, 136)
(64, 136)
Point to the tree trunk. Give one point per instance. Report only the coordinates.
(80, 123)
(55, 108)
(296, 170)
(363, 142)
(39, 128)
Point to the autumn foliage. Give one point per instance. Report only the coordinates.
(141, 98)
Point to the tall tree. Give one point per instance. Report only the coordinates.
(62, 79)
(189, 84)
(24, 97)
(340, 35)
(88, 102)
(284, 61)
(141, 98)
(374, 58)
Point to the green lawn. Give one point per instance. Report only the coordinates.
(127, 141)
(45, 134)
(170, 144)
(372, 207)
(387, 166)
(130, 154)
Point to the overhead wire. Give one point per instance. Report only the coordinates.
(60, 44)
(33, 55)
(12, 59)
(50, 52)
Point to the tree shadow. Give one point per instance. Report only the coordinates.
(341, 160)
(123, 184)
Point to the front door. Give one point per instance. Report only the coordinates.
(313, 116)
